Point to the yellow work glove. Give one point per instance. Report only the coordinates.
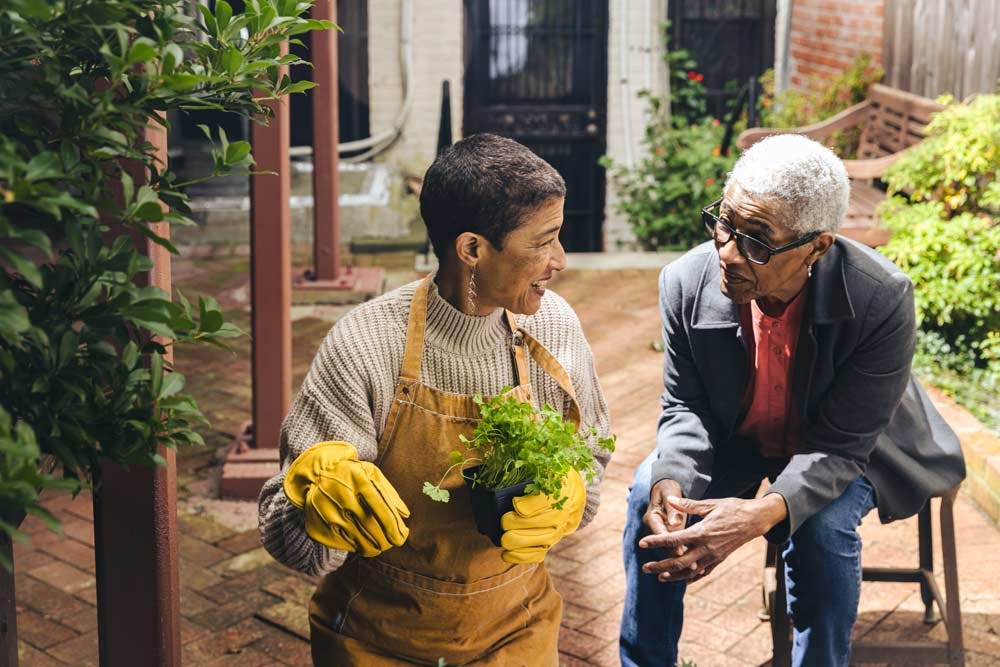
(535, 525)
(348, 504)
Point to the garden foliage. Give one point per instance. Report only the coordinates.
(682, 167)
(85, 374)
(818, 101)
(945, 218)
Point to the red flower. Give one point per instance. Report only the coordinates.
(709, 181)
(699, 78)
(659, 150)
(692, 75)
(716, 122)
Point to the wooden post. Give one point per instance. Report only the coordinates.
(8, 608)
(246, 469)
(326, 129)
(135, 530)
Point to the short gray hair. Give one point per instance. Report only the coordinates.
(803, 179)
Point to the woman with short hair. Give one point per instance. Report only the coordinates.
(407, 580)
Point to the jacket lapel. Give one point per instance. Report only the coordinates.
(715, 316)
(829, 302)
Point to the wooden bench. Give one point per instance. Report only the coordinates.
(892, 121)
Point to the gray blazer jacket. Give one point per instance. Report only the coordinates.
(863, 411)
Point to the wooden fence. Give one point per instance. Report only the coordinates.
(942, 46)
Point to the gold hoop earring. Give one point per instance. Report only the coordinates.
(472, 291)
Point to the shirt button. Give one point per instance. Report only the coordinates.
(779, 387)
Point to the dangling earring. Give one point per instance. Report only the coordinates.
(809, 271)
(472, 291)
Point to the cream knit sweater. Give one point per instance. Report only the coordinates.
(348, 391)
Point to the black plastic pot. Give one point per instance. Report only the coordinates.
(489, 505)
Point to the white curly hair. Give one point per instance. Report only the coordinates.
(803, 179)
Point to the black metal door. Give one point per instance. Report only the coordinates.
(731, 40)
(537, 71)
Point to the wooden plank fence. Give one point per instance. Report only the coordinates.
(942, 46)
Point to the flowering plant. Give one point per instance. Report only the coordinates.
(683, 166)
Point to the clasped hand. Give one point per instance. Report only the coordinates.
(693, 552)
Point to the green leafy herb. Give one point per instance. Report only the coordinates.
(516, 443)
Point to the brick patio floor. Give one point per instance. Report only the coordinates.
(239, 607)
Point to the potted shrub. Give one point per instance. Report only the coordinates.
(85, 371)
(518, 450)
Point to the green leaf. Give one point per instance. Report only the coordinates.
(237, 152)
(173, 56)
(13, 317)
(172, 383)
(436, 493)
(142, 50)
(156, 373)
(68, 347)
(209, 18)
(232, 60)
(211, 321)
(45, 165)
(298, 87)
(149, 212)
(223, 12)
(185, 83)
(22, 265)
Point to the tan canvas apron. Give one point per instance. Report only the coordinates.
(446, 593)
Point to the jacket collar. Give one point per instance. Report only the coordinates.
(829, 300)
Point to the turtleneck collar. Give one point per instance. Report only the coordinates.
(450, 329)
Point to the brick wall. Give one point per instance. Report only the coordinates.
(826, 35)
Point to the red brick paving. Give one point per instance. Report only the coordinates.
(240, 608)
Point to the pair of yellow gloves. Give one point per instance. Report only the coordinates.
(350, 505)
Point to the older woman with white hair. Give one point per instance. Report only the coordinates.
(787, 357)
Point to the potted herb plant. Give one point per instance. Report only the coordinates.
(518, 450)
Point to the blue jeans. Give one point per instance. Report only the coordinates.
(823, 574)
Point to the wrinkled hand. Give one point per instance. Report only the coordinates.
(534, 525)
(726, 525)
(660, 516)
(348, 504)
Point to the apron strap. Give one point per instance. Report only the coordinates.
(415, 331)
(552, 367)
(521, 375)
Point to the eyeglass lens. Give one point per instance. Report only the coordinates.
(722, 233)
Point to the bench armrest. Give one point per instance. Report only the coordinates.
(849, 117)
(872, 168)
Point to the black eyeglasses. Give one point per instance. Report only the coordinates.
(754, 250)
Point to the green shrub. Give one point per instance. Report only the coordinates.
(795, 108)
(682, 167)
(946, 237)
(958, 164)
(84, 370)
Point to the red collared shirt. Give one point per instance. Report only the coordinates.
(771, 419)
